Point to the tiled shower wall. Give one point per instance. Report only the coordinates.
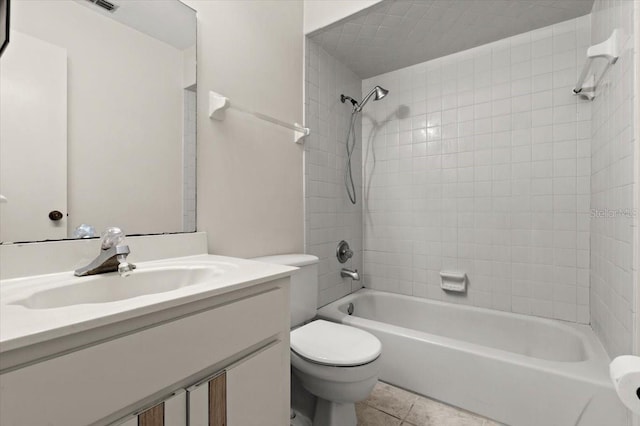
(189, 162)
(329, 215)
(480, 162)
(612, 175)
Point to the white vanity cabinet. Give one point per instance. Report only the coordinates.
(254, 389)
(170, 412)
(131, 378)
(247, 393)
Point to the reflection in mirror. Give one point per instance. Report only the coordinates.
(97, 119)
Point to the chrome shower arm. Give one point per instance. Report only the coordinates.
(366, 99)
(378, 91)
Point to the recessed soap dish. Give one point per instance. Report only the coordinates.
(454, 281)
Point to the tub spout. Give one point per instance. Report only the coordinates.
(354, 275)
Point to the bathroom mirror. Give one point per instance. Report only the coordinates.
(97, 119)
(4, 25)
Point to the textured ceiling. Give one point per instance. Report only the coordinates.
(397, 33)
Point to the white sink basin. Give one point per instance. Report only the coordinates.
(112, 287)
(38, 308)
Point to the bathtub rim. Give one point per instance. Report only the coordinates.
(593, 369)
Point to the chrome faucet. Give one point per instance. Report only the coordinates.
(112, 257)
(348, 273)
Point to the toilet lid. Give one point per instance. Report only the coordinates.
(328, 343)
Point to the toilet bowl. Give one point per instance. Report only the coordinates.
(338, 364)
(335, 362)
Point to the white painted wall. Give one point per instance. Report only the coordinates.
(190, 62)
(125, 117)
(320, 13)
(250, 197)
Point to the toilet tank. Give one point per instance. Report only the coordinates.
(304, 284)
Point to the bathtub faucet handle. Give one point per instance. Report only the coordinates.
(343, 253)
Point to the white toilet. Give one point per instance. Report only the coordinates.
(336, 363)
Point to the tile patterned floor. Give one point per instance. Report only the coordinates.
(391, 406)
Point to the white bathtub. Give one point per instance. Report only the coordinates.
(516, 369)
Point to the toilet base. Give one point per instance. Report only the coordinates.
(330, 413)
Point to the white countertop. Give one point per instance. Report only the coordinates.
(21, 326)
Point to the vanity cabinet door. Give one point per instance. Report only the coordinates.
(208, 402)
(153, 416)
(258, 388)
(252, 392)
(170, 412)
(175, 409)
(218, 400)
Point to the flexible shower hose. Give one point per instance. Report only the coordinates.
(351, 144)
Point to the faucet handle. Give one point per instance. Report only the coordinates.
(343, 252)
(111, 237)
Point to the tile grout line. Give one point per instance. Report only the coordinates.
(382, 411)
(408, 412)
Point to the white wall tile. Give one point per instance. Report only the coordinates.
(189, 162)
(611, 185)
(329, 216)
(494, 189)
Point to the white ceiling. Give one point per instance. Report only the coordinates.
(395, 34)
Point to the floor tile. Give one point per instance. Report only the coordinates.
(391, 400)
(369, 416)
(426, 412)
(391, 406)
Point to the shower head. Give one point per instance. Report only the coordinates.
(377, 92)
(380, 93)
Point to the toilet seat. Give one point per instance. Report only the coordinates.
(328, 343)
